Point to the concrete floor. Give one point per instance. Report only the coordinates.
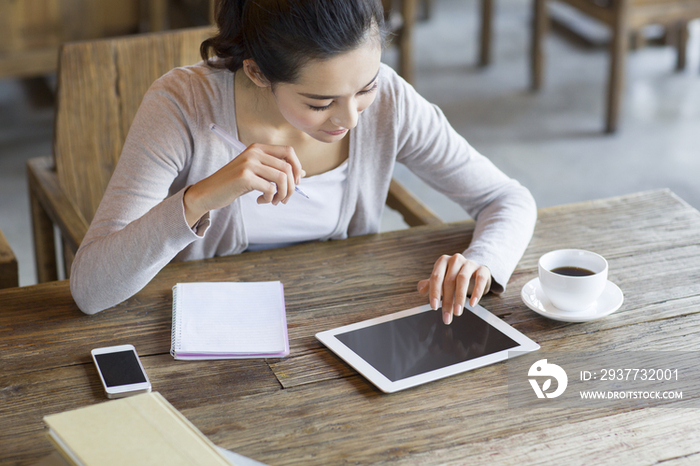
(552, 141)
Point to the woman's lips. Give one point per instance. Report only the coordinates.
(336, 132)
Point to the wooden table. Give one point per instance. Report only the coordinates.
(311, 408)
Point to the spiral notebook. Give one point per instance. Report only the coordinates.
(229, 320)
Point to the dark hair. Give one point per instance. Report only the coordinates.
(282, 35)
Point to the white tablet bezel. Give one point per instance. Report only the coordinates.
(328, 338)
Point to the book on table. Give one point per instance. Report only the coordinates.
(139, 430)
(229, 320)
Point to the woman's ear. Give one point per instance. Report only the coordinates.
(251, 69)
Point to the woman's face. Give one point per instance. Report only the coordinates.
(327, 99)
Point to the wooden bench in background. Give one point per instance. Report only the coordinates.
(32, 31)
(623, 17)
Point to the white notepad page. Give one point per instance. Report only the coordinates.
(230, 319)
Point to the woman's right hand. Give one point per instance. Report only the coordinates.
(272, 170)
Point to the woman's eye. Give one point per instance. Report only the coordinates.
(367, 91)
(320, 109)
(363, 92)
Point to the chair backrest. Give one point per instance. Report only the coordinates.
(100, 86)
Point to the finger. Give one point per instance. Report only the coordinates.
(423, 287)
(256, 179)
(281, 177)
(285, 187)
(446, 317)
(287, 154)
(482, 277)
(285, 178)
(258, 156)
(436, 279)
(267, 194)
(454, 266)
(274, 176)
(462, 286)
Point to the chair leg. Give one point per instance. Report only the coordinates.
(68, 258)
(682, 44)
(486, 20)
(44, 247)
(408, 13)
(427, 9)
(157, 15)
(618, 55)
(539, 30)
(9, 275)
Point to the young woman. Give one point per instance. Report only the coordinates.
(301, 84)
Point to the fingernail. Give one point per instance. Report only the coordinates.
(447, 317)
(434, 303)
(458, 309)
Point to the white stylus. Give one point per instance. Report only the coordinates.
(240, 147)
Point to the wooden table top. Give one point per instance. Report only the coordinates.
(311, 408)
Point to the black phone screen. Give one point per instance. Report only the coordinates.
(121, 368)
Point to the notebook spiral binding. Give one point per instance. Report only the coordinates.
(175, 330)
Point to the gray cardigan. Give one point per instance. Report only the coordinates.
(140, 224)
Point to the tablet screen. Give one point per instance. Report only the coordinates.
(421, 343)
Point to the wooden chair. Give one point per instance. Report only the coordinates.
(623, 17)
(485, 32)
(9, 276)
(401, 19)
(100, 87)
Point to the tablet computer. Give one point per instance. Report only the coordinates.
(413, 347)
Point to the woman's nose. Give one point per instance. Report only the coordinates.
(346, 118)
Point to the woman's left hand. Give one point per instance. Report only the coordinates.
(453, 278)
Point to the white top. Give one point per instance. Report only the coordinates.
(269, 226)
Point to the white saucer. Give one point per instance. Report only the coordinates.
(608, 302)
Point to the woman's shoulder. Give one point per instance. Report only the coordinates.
(195, 91)
(394, 97)
(389, 90)
(395, 92)
(190, 77)
(390, 82)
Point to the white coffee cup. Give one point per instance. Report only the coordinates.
(569, 292)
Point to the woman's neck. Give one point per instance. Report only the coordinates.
(258, 119)
(257, 116)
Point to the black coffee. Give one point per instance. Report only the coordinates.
(573, 271)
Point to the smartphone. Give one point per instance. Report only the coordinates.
(121, 371)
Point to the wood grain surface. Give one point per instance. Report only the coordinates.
(311, 408)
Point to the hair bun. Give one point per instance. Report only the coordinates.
(282, 35)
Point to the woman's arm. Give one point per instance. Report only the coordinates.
(140, 224)
(168, 178)
(505, 212)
